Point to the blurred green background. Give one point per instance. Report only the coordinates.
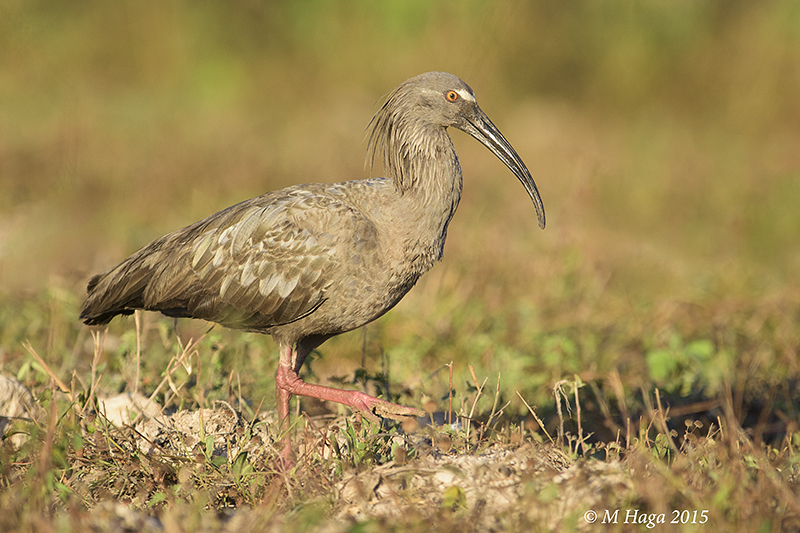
(664, 137)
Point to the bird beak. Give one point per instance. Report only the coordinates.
(479, 126)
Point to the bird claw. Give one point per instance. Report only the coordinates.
(375, 408)
(369, 406)
(397, 412)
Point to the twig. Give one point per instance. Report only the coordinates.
(604, 407)
(662, 418)
(500, 412)
(45, 455)
(325, 440)
(496, 399)
(201, 390)
(177, 359)
(628, 435)
(538, 421)
(98, 351)
(578, 415)
(137, 319)
(450, 396)
(477, 396)
(60, 384)
(558, 392)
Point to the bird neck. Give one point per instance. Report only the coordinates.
(418, 156)
(420, 160)
(431, 177)
(427, 180)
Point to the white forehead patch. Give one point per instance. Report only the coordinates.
(466, 95)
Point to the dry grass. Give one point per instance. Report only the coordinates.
(214, 468)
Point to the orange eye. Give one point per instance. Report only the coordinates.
(451, 96)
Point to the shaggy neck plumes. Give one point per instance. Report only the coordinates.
(419, 157)
(415, 152)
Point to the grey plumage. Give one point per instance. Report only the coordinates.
(315, 260)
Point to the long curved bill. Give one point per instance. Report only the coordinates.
(479, 126)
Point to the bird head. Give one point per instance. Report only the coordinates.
(441, 100)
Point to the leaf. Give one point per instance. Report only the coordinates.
(662, 364)
(701, 350)
(241, 465)
(209, 446)
(454, 498)
(157, 498)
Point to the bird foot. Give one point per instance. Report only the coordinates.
(373, 408)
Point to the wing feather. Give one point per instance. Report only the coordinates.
(262, 263)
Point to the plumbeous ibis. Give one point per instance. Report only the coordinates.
(312, 261)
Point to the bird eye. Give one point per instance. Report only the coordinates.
(451, 96)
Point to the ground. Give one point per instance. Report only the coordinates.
(131, 466)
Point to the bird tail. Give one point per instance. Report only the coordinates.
(154, 278)
(118, 291)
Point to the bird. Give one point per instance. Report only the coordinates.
(312, 261)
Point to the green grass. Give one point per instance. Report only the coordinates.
(662, 137)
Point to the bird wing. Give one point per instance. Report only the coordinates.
(261, 263)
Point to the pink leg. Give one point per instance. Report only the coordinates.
(289, 382)
(283, 415)
(369, 406)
